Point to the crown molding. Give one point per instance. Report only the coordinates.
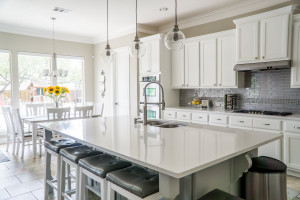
(231, 11)
(43, 34)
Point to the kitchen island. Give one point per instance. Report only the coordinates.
(191, 160)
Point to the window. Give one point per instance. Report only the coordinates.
(5, 86)
(31, 80)
(74, 80)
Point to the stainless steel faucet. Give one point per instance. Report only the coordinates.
(163, 104)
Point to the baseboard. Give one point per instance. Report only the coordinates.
(293, 172)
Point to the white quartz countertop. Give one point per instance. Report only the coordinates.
(230, 112)
(176, 152)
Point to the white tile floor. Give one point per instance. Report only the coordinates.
(22, 179)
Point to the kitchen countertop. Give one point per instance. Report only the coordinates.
(176, 152)
(230, 112)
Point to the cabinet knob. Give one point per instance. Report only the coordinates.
(297, 127)
(220, 84)
(263, 57)
(256, 58)
(187, 84)
(267, 124)
(182, 85)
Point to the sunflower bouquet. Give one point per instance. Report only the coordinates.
(56, 93)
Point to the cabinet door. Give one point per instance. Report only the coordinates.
(208, 63)
(192, 65)
(292, 149)
(144, 61)
(295, 78)
(178, 69)
(272, 150)
(275, 38)
(227, 77)
(247, 42)
(154, 56)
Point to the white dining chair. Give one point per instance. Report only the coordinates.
(35, 109)
(98, 109)
(58, 113)
(83, 111)
(23, 138)
(10, 129)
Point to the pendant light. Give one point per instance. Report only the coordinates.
(108, 54)
(137, 49)
(175, 39)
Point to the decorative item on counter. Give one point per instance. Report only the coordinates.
(56, 93)
(205, 104)
(196, 102)
(230, 101)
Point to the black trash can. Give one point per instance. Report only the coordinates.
(266, 179)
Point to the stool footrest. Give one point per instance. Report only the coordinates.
(52, 183)
(67, 194)
(97, 192)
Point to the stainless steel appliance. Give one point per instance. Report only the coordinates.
(285, 64)
(153, 94)
(261, 112)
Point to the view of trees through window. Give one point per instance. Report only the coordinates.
(5, 86)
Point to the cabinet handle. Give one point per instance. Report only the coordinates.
(241, 121)
(200, 117)
(263, 57)
(267, 124)
(170, 114)
(256, 58)
(219, 119)
(220, 84)
(183, 115)
(297, 127)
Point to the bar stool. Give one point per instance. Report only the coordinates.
(217, 194)
(71, 156)
(52, 148)
(96, 168)
(134, 183)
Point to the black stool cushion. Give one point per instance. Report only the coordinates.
(76, 153)
(136, 180)
(57, 145)
(102, 164)
(217, 194)
(265, 164)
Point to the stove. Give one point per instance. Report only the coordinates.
(260, 112)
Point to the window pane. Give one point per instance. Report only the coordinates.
(31, 80)
(74, 79)
(5, 87)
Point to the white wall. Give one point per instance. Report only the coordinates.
(20, 43)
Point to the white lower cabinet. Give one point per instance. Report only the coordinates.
(184, 116)
(218, 120)
(169, 114)
(272, 150)
(240, 122)
(292, 150)
(201, 118)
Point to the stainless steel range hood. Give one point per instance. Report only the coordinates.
(285, 64)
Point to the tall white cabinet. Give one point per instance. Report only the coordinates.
(207, 62)
(264, 37)
(295, 75)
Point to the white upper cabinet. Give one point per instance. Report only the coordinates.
(247, 42)
(178, 69)
(295, 75)
(275, 38)
(192, 67)
(264, 37)
(208, 62)
(226, 61)
(150, 62)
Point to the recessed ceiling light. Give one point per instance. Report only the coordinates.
(61, 10)
(163, 9)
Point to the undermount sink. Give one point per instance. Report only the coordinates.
(164, 124)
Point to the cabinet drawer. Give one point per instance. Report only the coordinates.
(168, 114)
(218, 119)
(185, 116)
(268, 124)
(240, 121)
(199, 117)
(292, 127)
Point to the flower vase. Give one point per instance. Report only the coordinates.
(56, 104)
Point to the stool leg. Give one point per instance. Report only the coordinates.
(58, 172)
(83, 190)
(110, 192)
(77, 182)
(47, 174)
(103, 191)
(69, 177)
(62, 178)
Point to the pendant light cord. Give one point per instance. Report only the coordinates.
(107, 22)
(53, 35)
(136, 18)
(176, 12)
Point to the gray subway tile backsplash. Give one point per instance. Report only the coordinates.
(264, 90)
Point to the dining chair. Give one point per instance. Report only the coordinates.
(10, 129)
(35, 109)
(98, 109)
(83, 111)
(23, 137)
(58, 113)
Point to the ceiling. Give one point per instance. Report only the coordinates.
(87, 20)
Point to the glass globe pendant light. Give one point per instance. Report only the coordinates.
(108, 54)
(175, 39)
(137, 49)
